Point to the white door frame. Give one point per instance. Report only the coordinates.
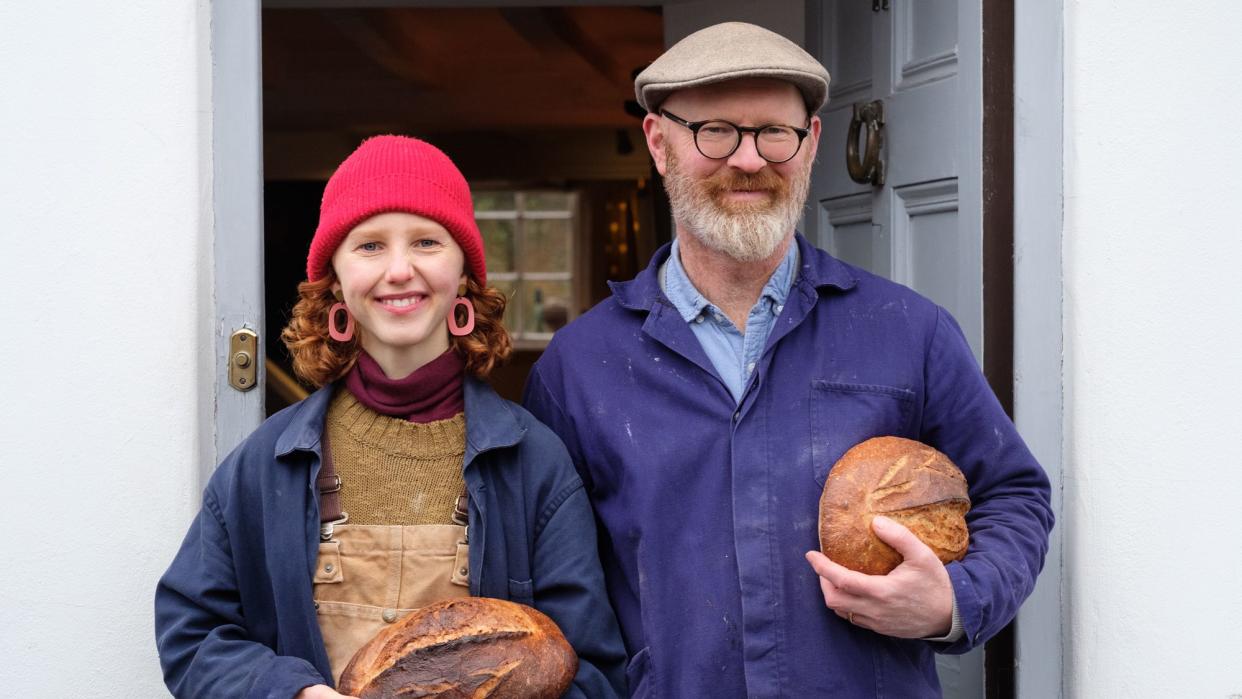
(237, 209)
(237, 194)
(1038, 404)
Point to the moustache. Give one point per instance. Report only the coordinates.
(762, 181)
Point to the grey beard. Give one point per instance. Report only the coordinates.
(745, 236)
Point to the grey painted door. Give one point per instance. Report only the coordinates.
(923, 226)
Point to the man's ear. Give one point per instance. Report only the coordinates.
(656, 143)
(813, 137)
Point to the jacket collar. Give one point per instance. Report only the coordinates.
(490, 422)
(817, 270)
(306, 426)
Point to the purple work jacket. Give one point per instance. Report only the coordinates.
(708, 505)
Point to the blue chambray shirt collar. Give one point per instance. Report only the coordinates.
(691, 304)
(817, 270)
(781, 281)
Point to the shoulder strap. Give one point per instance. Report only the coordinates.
(329, 486)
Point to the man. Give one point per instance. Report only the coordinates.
(706, 400)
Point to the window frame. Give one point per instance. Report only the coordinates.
(519, 215)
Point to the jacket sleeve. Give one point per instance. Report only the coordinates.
(569, 588)
(1010, 515)
(539, 398)
(200, 629)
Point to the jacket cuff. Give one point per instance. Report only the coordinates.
(955, 628)
(967, 613)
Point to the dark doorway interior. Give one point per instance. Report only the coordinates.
(531, 104)
(998, 254)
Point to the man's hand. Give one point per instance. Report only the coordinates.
(915, 600)
(321, 691)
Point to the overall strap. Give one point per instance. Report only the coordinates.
(461, 513)
(329, 486)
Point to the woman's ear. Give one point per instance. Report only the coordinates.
(461, 285)
(336, 291)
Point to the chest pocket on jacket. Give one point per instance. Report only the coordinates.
(844, 414)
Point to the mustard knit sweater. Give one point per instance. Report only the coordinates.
(394, 471)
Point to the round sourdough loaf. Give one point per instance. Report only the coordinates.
(904, 480)
(467, 647)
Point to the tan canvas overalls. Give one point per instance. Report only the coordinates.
(370, 575)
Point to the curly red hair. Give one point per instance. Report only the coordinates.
(318, 359)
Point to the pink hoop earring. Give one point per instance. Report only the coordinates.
(461, 330)
(333, 332)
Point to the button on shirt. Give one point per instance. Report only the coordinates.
(734, 354)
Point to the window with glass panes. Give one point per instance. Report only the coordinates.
(529, 238)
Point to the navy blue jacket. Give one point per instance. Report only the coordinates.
(708, 504)
(234, 614)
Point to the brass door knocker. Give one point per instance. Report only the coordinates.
(869, 168)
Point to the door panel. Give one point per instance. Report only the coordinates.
(925, 37)
(847, 230)
(940, 261)
(920, 135)
(849, 59)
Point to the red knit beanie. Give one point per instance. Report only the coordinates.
(395, 173)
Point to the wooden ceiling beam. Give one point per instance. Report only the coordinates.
(385, 50)
(554, 27)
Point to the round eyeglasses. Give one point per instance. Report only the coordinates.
(718, 139)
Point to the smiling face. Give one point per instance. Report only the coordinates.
(742, 205)
(399, 274)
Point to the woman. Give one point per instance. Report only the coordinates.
(403, 480)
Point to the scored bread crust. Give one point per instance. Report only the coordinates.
(904, 480)
(472, 647)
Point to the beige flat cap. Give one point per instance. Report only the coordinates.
(729, 51)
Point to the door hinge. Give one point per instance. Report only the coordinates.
(243, 359)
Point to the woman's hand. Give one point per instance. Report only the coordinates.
(321, 691)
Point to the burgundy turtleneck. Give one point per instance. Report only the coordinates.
(432, 392)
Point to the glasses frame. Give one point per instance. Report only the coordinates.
(694, 127)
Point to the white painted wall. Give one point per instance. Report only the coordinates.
(1153, 340)
(105, 201)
